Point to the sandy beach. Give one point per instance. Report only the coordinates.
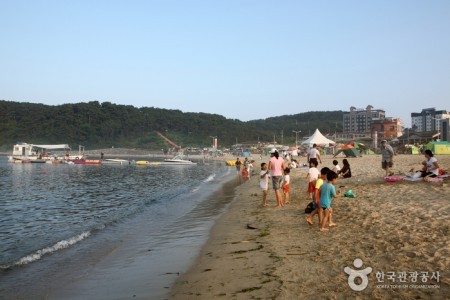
(400, 230)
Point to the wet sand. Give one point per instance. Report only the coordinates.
(397, 229)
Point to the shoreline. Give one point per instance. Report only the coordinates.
(133, 258)
(392, 227)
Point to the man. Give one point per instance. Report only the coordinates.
(387, 157)
(313, 155)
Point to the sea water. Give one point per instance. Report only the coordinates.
(104, 231)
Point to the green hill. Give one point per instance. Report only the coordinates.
(99, 125)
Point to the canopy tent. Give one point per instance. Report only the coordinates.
(368, 152)
(357, 145)
(318, 139)
(349, 151)
(411, 149)
(438, 147)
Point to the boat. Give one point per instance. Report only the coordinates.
(117, 161)
(146, 162)
(31, 153)
(178, 160)
(87, 162)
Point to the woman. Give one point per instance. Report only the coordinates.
(430, 165)
(276, 167)
(345, 171)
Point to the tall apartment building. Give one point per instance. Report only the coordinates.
(359, 120)
(428, 120)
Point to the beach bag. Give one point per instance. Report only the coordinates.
(309, 208)
(349, 194)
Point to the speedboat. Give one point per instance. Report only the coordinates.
(178, 160)
(146, 162)
(116, 161)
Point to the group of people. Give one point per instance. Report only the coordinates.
(280, 179)
(247, 169)
(320, 184)
(430, 166)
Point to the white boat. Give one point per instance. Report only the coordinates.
(178, 160)
(117, 161)
(24, 152)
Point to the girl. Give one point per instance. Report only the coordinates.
(346, 172)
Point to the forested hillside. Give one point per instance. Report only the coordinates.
(100, 125)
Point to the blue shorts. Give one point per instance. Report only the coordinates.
(325, 205)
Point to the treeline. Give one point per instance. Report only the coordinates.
(103, 125)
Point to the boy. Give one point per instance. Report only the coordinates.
(311, 177)
(286, 186)
(336, 168)
(316, 197)
(327, 193)
(264, 182)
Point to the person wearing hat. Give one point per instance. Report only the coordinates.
(313, 155)
(387, 157)
(276, 167)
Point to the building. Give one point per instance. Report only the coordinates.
(445, 130)
(428, 120)
(359, 121)
(388, 128)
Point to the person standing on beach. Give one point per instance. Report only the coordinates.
(327, 193)
(313, 155)
(286, 185)
(387, 157)
(264, 182)
(311, 178)
(316, 198)
(276, 167)
(238, 165)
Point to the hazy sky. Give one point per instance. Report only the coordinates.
(240, 59)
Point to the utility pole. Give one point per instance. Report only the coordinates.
(296, 137)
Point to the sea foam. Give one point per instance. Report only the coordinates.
(58, 246)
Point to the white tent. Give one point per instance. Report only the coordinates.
(317, 138)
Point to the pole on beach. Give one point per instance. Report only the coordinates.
(296, 139)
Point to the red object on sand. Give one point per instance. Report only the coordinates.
(393, 178)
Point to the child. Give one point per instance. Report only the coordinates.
(311, 177)
(336, 169)
(264, 182)
(346, 172)
(316, 197)
(286, 186)
(327, 193)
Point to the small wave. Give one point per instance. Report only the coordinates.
(38, 254)
(210, 178)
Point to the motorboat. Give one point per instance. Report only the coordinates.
(116, 161)
(87, 162)
(178, 160)
(146, 162)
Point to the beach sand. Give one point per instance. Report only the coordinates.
(392, 227)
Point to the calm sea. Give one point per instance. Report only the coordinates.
(104, 231)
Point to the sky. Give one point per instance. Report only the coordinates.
(246, 60)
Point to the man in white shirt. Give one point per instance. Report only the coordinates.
(313, 155)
